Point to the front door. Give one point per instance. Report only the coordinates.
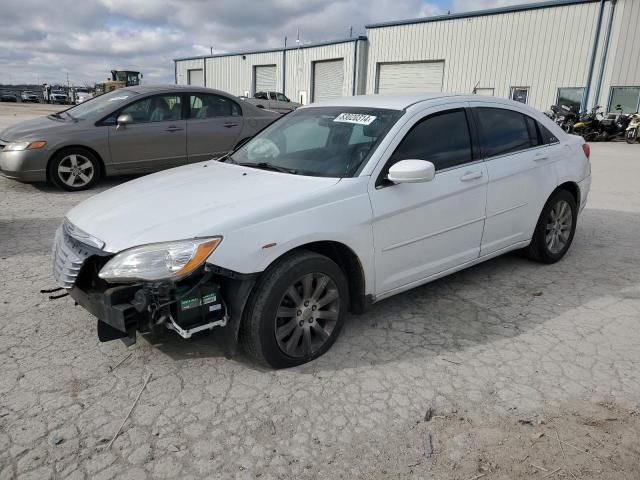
(517, 151)
(423, 229)
(214, 126)
(155, 140)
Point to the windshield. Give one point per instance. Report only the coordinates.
(319, 141)
(101, 104)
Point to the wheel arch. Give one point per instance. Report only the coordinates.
(572, 188)
(349, 263)
(83, 147)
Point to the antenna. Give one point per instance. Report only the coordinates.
(351, 31)
(475, 88)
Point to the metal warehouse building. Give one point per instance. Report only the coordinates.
(575, 52)
(306, 73)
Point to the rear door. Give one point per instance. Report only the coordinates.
(214, 125)
(519, 157)
(155, 140)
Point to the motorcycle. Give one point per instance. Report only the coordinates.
(588, 124)
(613, 126)
(633, 129)
(564, 116)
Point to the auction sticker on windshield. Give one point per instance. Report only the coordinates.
(357, 118)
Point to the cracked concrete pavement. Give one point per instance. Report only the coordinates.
(504, 341)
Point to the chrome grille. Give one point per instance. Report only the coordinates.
(68, 256)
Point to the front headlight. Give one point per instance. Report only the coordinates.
(18, 146)
(159, 261)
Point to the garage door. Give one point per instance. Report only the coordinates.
(410, 77)
(328, 79)
(195, 77)
(265, 80)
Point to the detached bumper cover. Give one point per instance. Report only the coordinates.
(112, 306)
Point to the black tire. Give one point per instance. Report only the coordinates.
(631, 136)
(539, 249)
(60, 180)
(260, 321)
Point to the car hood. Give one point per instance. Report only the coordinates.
(37, 127)
(199, 200)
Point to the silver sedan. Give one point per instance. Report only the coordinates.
(128, 131)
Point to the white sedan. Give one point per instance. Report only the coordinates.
(333, 207)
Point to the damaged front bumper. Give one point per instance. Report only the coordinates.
(210, 298)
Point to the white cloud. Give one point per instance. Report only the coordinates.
(43, 41)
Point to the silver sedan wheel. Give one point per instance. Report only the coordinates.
(307, 314)
(558, 227)
(75, 170)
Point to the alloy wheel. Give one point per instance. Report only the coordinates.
(75, 170)
(307, 315)
(558, 227)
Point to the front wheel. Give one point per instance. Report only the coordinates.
(296, 312)
(555, 228)
(631, 136)
(74, 169)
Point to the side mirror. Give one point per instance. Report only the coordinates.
(412, 171)
(123, 120)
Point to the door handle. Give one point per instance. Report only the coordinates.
(172, 128)
(540, 157)
(229, 125)
(468, 176)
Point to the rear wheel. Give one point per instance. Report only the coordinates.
(296, 312)
(74, 169)
(555, 228)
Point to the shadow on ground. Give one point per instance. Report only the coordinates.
(499, 299)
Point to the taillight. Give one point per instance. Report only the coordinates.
(586, 149)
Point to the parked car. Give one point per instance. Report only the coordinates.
(130, 130)
(8, 97)
(335, 206)
(29, 96)
(81, 95)
(275, 101)
(58, 96)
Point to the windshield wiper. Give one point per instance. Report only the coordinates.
(269, 166)
(56, 115)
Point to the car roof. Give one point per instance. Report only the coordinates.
(145, 89)
(402, 101)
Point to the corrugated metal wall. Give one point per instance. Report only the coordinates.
(542, 49)
(234, 74)
(623, 61)
(300, 67)
(185, 65)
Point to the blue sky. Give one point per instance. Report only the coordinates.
(87, 39)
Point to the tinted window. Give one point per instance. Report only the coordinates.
(533, 131)
(442, 139)
(261, 95)
(546, 136)
(203, 105)
(502, 131)
(159, 108)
